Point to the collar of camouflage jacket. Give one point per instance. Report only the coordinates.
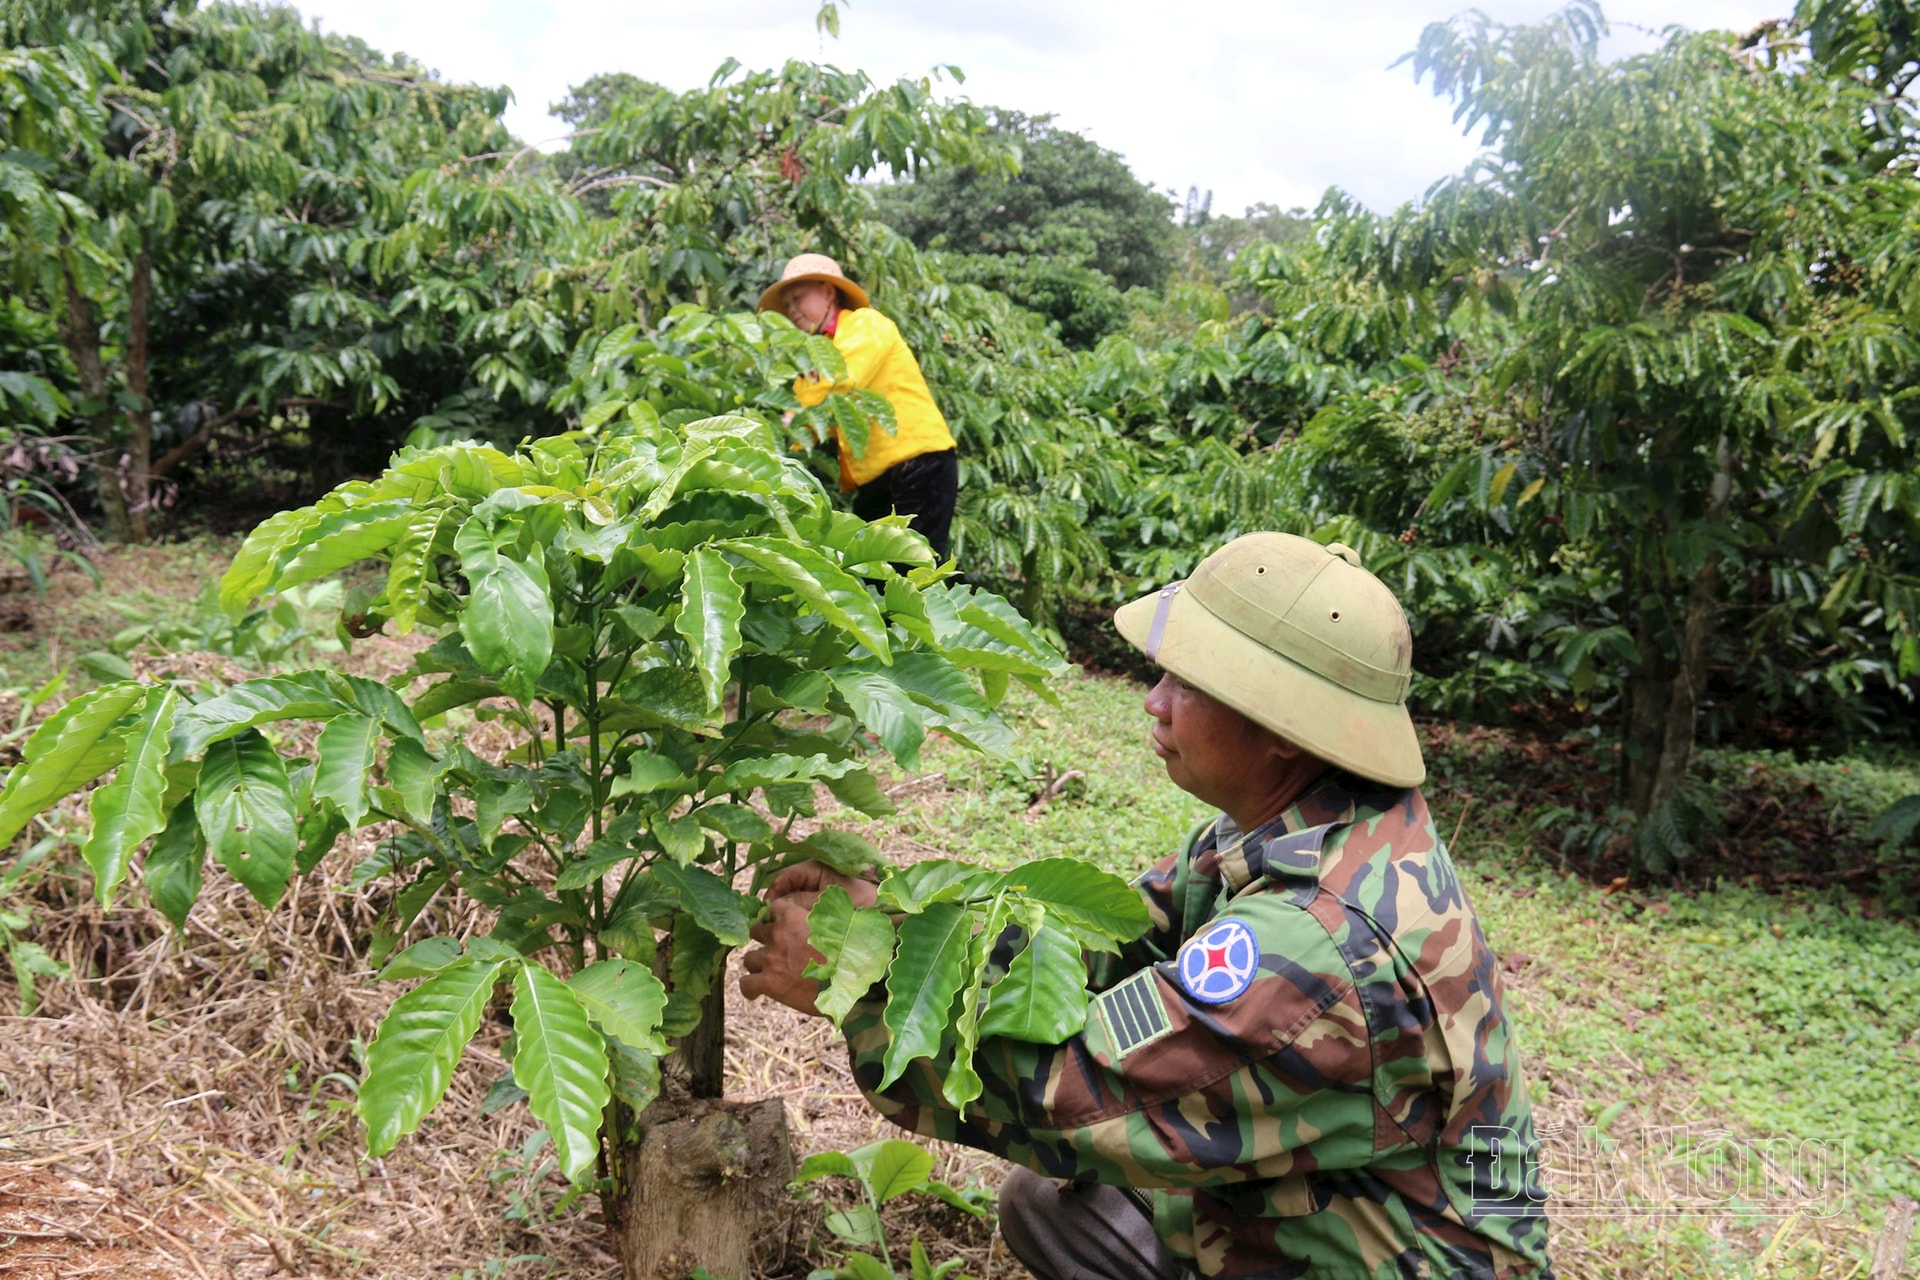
(1288, 847)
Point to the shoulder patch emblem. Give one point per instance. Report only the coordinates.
(1220, 964)
(1134, 1013)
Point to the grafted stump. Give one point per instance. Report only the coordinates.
(705, 1184)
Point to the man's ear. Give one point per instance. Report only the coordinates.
(1281, 748)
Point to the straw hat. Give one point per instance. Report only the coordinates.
(1298, 637)
(812, 266)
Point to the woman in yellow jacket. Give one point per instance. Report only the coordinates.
(913, 470)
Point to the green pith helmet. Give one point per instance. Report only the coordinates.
(1297, 637)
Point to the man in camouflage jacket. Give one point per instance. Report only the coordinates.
(1306, 1059)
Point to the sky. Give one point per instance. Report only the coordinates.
(1256, 102)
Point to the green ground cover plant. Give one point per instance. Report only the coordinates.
(159, 588)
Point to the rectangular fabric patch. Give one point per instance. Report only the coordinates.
(1134, 1013)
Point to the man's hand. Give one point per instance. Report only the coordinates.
(774, 967)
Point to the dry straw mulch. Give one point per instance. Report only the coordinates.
(183, 1110)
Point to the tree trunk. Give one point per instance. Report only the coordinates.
(1645, 701)
(703, 1054)
(1683, 700)
(702, 1188)
(80, 334)
(1033, 594)
(1664, 699)
(136, 468)
(705, 1183)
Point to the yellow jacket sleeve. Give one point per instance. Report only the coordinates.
(879, 360)
(810, 389)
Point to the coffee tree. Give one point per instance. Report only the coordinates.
(685, 640)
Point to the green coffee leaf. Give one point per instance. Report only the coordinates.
(667, 696)
(171, 873)
(381, 703)
(346, 750)
(1043, 998)
(593, 862)
(894, 1167)
(926, 972)
(322, 825)
(342, 538)
(129, 809)
(424, 959)
(412, 1058)
(888, 540)
(427, 535)
(562, 1064)
(858, 945)
(635, 1075)
(414, 775)
(245, 809)
(734, 822)
(253, 566)
(860, 790)
(72, 747)
(624, 1000)
(448, 694)
(829, 590)
(697, 958)
(933, 681)
(762, 771)
(826, 1164)
(712, 605)
(508, 624)
(1102, 909)
(912, 888)
(501, 1094)
(963, 1084)
(683, 838)
(886, 709)
(308, 695)
(844, 851)
(646, 772)
(709, 900)
(859, 1225)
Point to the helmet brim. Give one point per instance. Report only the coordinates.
(1362, 735)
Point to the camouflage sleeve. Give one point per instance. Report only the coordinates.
(1246, 1059)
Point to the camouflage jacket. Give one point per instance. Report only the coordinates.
(1306, 1058)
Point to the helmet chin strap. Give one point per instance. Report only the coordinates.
(1159, 628)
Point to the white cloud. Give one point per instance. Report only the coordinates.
(1273, 101)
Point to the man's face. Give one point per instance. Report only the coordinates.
(809, 303)
(1211, 750)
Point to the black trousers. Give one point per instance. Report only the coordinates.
(1082, 1232)
(923, 487)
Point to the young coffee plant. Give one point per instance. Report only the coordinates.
(698, 364)
(685, 639)
(883, 1170)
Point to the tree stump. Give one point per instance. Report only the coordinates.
(1890, 1251)
(703, 1186)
